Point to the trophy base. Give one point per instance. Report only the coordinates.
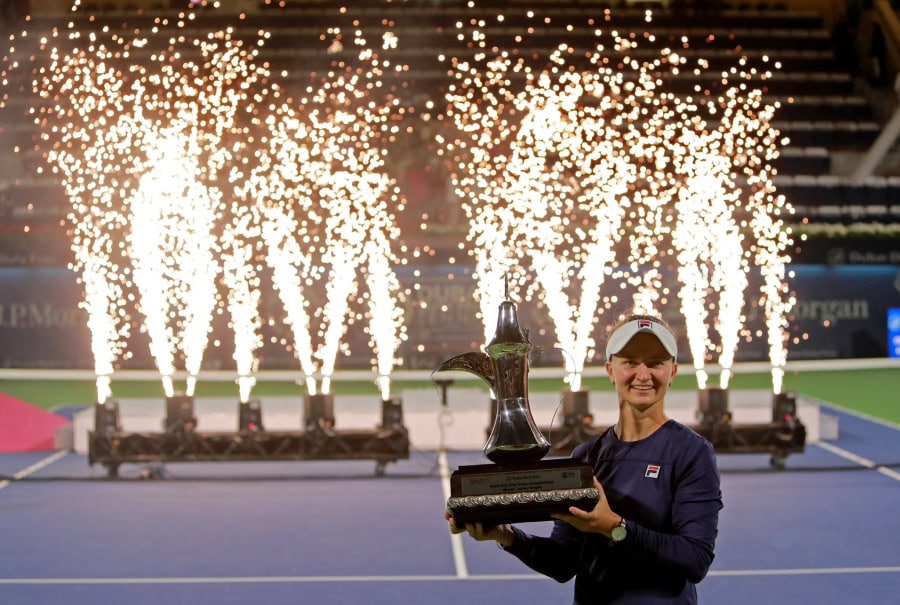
(493, 494)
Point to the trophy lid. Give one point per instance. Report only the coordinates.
(508, 330)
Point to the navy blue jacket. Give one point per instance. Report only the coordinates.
(666, 486)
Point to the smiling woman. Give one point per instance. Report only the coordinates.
(641, 362)
(651, 535)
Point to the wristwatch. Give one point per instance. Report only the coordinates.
(620, 531)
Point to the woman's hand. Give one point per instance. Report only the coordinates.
(502, 534)
(600, 520)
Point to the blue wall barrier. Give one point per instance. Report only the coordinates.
(841, 312)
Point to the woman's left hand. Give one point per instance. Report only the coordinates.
(600, 520)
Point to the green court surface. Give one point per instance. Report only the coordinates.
(872, 391)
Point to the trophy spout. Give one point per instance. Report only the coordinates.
(479, 364)
(514, 438)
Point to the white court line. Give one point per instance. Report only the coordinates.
(459, 555)
(36, 467)
(856, 413)
(884, 470)
(414, 578)
(889, 472)
(805, 571)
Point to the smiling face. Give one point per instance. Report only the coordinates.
(642, 372)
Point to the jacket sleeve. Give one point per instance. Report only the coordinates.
(689, 549)
(555, 556)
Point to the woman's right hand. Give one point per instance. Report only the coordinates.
(502, 534)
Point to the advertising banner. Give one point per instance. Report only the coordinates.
(841, 311)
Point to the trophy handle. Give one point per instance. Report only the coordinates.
(479, 364)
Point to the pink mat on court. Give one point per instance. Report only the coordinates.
(25, 427)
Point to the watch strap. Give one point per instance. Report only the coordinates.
(620, 531)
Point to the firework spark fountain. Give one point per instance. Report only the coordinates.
(141, 162)
(639, 162)
(771, 236)
(351, 124)
(202, 106)
(324, 200)
(478, 153)
(93, 168)
(242, 281)
(278, 188)
(709, 250)
(172, 246)
(743, 144)
(552, 172)
(560, 198)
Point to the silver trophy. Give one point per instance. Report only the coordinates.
(519, 486)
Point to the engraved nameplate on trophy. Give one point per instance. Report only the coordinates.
(519, 486)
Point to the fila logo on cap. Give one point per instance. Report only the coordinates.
(652, 471)
(622, 335)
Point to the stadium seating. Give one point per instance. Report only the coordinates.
(826, 119)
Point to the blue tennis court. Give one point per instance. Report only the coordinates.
(823, 530)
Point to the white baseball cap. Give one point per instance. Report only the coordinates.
(622, 335)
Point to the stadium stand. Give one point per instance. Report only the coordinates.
(829, 111)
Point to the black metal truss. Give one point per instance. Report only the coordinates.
(382, 444)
